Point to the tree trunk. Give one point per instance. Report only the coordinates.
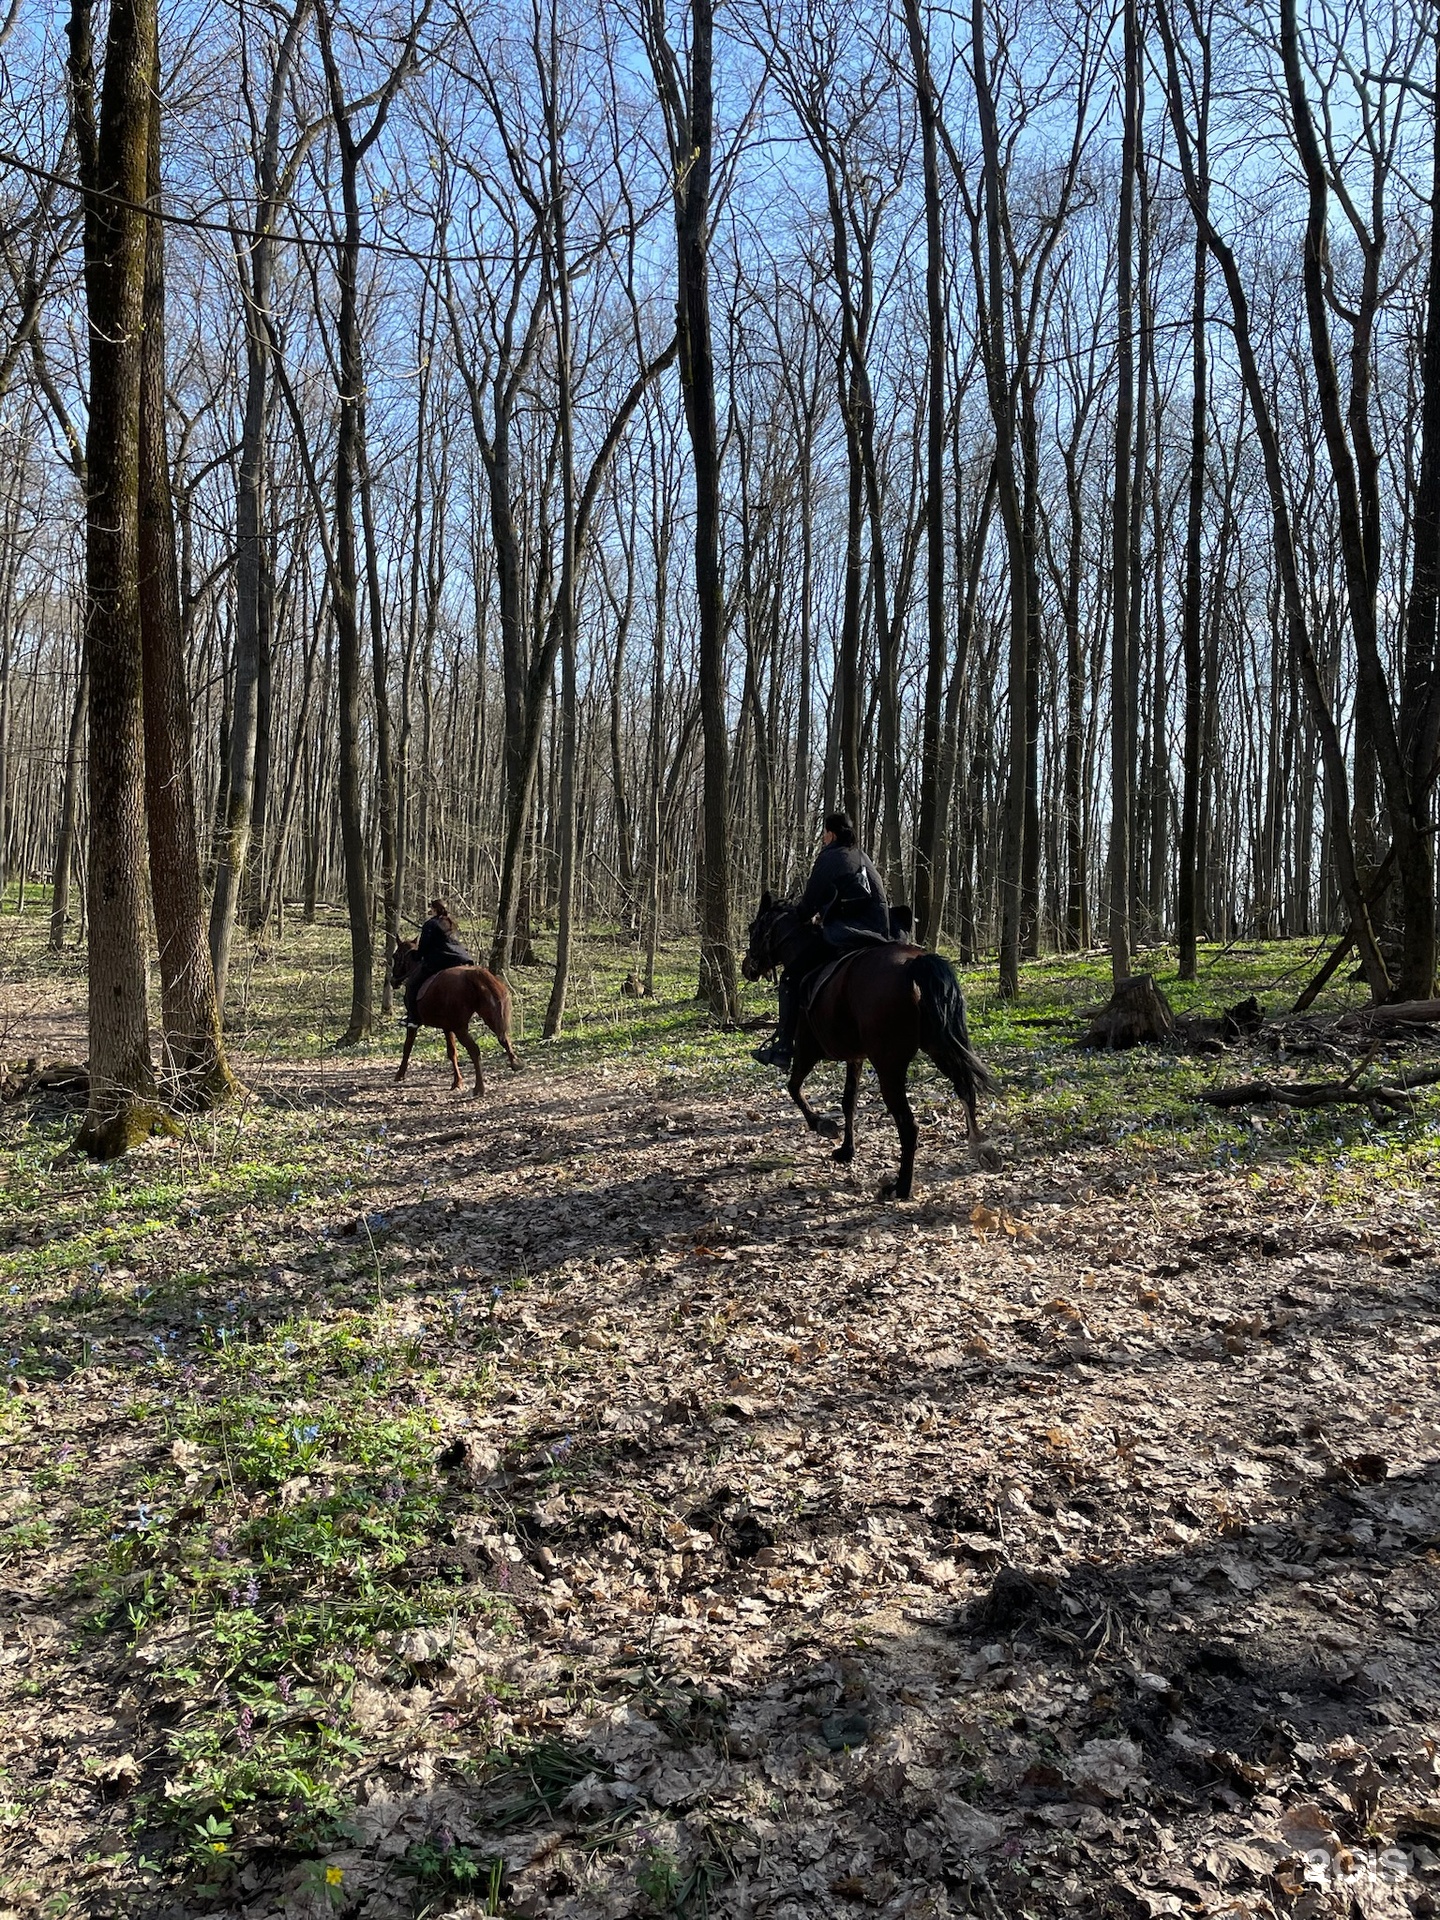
(928, 839)
(254, 584)
(1415, 856)
(1337, 807)
(195, 1067)
(569, 690)
(349, 464)
(113, 154)
(1192, 609)
(1420, 692)
(691, 115)
(1121, 686)
(1002, 408)
(69, 806)
(1136, 1014)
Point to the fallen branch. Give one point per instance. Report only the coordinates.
(1350, 1092)
(1420, 1013)
(1373, 894)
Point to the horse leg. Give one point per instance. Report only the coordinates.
(845, 1152)
(454, 1059)
(892, 1075)
(802, 1065)
(495, 1012)
(467, 1041)
(410, 1033)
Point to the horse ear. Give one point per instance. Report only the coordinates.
(765, 901)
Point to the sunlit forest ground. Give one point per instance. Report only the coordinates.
(591, 1500)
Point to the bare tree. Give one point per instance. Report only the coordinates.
(113, 144)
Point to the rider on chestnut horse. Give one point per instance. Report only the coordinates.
(847, 895)
(437, 949)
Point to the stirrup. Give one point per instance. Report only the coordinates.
(773, 1054)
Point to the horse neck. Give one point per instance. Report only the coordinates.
(787, 935)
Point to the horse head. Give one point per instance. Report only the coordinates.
(761, 955)
(402, 960)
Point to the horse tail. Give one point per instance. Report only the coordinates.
(943, 1032)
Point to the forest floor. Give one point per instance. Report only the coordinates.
(592, 1501)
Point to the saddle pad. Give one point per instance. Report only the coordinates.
(815, 981)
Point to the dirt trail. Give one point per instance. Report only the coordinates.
(1053, 1543)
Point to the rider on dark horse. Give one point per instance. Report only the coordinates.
(436, 949)
(846, 897)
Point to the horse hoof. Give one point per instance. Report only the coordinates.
(829, 1130)
(842, 1156)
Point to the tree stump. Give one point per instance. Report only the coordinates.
(1136, 1014)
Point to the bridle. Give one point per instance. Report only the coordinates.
(765, 933)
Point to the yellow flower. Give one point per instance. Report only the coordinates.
(333, 1876)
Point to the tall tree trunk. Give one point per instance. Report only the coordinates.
(385, 797)
(1337, 796)
(847, 667)
(565, 422)
(1121, 685)
(195, 1066)
(1420, 691)
(930, 825)
(349, 474)
(1192, 609)
(689, 102)
(254, 583)
(70, 806)
(1002, 409)
(113, 154)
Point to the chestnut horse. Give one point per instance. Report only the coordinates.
(450, 1000)
(885, 1004)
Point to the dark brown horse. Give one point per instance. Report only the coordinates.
(884, 1004)
(450, 1000)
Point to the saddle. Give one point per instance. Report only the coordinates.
(813, 984)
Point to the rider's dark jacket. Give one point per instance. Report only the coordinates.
(437, 949)
(846, 892)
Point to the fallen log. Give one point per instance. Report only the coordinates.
(1403, 1013)
(1350, 1092)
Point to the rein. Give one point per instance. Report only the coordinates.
(783, 922)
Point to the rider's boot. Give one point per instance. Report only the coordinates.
(777, 1051)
